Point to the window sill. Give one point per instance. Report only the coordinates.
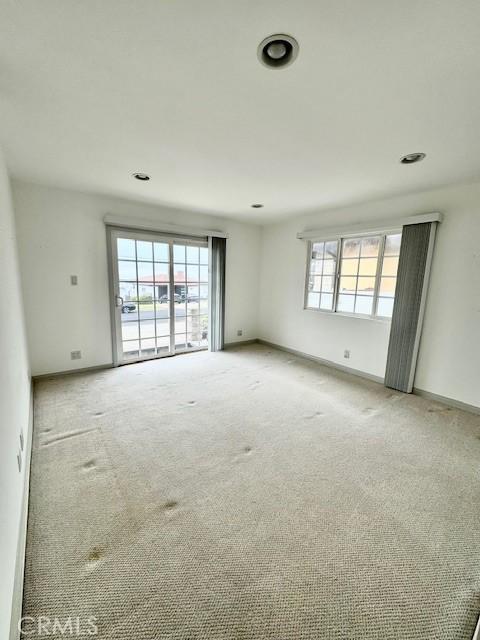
(344, 314)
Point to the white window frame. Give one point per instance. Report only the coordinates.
(339, 240)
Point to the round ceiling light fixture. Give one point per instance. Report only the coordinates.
(257, 205)
(277, 51)
(411, 158)
(141, 176)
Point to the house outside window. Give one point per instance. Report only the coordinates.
(353, 275)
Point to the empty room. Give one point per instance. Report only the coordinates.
(240, 334)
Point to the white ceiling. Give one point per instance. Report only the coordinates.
(93, 90)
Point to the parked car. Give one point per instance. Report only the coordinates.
(129, 307)
(176, 298)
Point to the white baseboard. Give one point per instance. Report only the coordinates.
(17, 600)
(327, 363)
(476, 633)
(451, 402)
(55, 374)
(239, 343)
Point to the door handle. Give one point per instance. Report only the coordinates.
(117, 304)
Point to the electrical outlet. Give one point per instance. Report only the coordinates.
(239, 332)
(73, 280)
(19, 460)
(21, 440)
(346, 353)
(75, 355)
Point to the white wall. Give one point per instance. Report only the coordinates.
(61, 233)
(449, 355)
(283, 320)
(14, 402)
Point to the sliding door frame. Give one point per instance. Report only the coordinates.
(113, 233)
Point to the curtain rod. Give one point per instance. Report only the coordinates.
(156, 225)
(373, 226)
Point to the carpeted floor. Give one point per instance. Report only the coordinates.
(251, 494)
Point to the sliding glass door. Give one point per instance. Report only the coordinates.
(190, 284)
(159, 295)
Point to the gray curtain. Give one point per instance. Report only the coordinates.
(218, 248)
(412, 281)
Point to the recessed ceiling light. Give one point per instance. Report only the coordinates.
(277, 51)
(256, 206)
(141, 176)
(411, 158)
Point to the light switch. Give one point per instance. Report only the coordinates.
(73, 280)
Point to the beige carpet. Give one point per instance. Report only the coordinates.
(251, 494)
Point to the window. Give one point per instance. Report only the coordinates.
(354, 275)
(321, 282)
(388, 276)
